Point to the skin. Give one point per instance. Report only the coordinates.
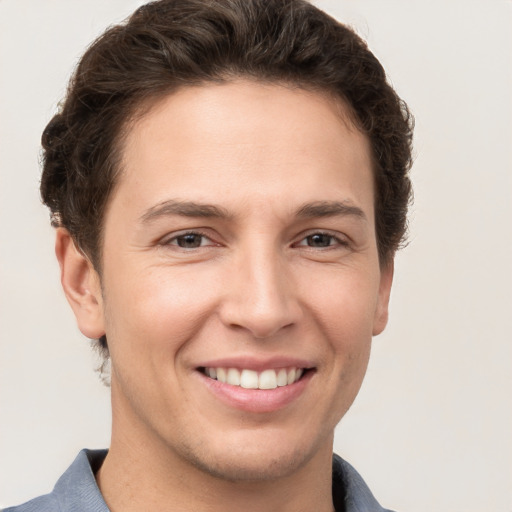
(269, 279)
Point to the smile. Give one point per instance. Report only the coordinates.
(250, 379)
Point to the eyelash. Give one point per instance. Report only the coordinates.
(338, 242)
(174, 241)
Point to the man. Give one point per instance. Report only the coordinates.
(228, 180)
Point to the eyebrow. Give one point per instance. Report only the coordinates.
(329, 209)
(192, 209)
(184, 209)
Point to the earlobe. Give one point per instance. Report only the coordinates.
(381, 311)
(81, 285)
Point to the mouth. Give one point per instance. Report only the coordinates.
(271, 378)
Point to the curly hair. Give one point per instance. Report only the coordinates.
(168, 44)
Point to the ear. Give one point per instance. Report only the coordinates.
(81, 285)
(381, 311)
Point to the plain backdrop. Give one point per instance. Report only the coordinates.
(432, 426)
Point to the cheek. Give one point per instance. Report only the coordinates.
(343, 307)
(152, 314)
(343, 302)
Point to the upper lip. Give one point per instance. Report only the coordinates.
(257, 364)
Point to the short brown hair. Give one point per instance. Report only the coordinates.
(169, 44)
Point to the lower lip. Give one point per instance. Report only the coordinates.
(257, 400)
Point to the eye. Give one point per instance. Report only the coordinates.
(190, 240)
(321, 241)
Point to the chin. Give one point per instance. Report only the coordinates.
(257, 465)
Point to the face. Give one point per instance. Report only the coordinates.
(241, 284)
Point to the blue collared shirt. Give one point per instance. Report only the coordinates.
(77, 491)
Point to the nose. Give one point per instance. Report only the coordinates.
(260, 294)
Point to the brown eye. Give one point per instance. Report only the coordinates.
(189, 240)
(322, 240)
(319, 240)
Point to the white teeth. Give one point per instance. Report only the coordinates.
(233, 377)
(221, 374)
(268, 379)
(282, 377)
(250, 379)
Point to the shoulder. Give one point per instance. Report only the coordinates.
(350, 492)
(76, 489)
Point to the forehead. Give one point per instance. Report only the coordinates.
(243, 139)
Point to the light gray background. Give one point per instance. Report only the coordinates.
(431, 428)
